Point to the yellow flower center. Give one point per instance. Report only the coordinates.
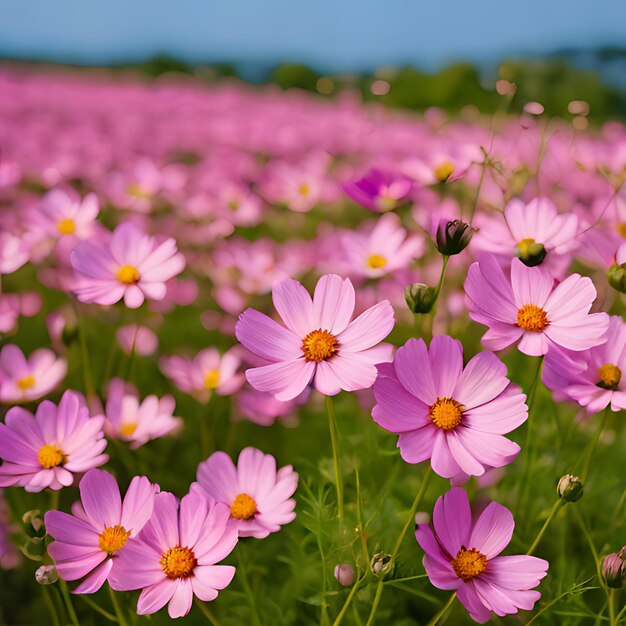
(523, 246)
(468, 564)
(319, 345)
(243, 507)
(212, 379)
(135, 189)
(376, 261)
(50, 456)
(26, 382)
(66, 226)
(532, 318)
(128, 274)
(113, 538)
(609, 375)
(128, 429)
(443, 171)
(233, 205)
(621, 229)
(178, 562)
(385, 203)
(446, 413)
(304, 190)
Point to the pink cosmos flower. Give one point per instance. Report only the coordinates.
(535, 233)
(594, 378)
(46, 449)
(453, 415)
(264, 409)
(318, 341)
(384, 250)
(130, 265)
(208, 371)
(88, 542)
(463, 555)
(63, 213)
(173, 558)
(24, 379)
(138, 339)
(379, 190)
(137, 422)
(14, 252)
(529, 309)
(258, 496)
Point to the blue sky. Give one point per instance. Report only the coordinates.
(339, 35)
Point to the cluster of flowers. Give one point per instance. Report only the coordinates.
(176, 197)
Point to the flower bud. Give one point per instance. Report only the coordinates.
(344, 574)
(617, 277)
(33, 518)
(613, 570)
(453, 236)
(381, 564)
(46, 575)
(421, 517)
(530, 252)
(570, 488)
(419, 297)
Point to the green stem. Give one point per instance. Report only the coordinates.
(246, 587)
(443, 611)
(332, 426)
(483, 167)
(433, 311)
(205, 432)
(50, 604)
(379, 593)
(85, 598)
(68, 603)
(54, 499)
(84, 353)
(206, 612)
(592, 446)
(612, 620)
(118, 609)
(557, 505)
(349, 599)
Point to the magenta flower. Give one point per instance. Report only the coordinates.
(130, 265)
(24, 379)
(594, 378)
(63, 213)
(258, 496)
(462, 554)
(47, 449)
(174, 556)
(88, 543)
(318, 341)
(453, 415)
(208, 371)
(529, 309)
(379, 190)
(138, 422)
(138, 339)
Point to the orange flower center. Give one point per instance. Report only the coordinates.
(127, 429)
(443, 171)
(319, 345)
(50, 456)
(609, 375)
(304, 189)
(376, 261)
(212, 379)
(243, 507)
(446, 413)
(621, 229)
(66, 226)
(26, 382)
(532, 318)
(112, 539)
(178, 562)
(468, 564)
(128, 274)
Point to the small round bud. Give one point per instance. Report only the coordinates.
(613, 570)
(33, 518)
(344, 574)
(419, 297)
(570, 488)
(453, 236)
(617, 277)
(381, 564)
(46, 575)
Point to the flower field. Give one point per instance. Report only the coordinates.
(273, 358)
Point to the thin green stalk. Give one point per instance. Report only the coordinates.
(379, 593)
(68, 603)
(85, 598)
(206, 612)
(332, 426)
(433, 311)
(483, 168)
(443, 611)
(50, 604)
(118, 609)
(205, 432)
(588, 455)
(54, 499)
(246, 587)
(612, 619)
(349, 599)
(555, 508)
(84, 354)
